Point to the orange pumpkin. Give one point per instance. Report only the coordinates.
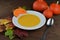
(48, 13)
(40, 5)
(55, 8)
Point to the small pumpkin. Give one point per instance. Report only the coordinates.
(48, 13)
(55, 8)
(40, 5)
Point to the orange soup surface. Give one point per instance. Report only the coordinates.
(29, 20)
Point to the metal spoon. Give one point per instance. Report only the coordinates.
(50, 22)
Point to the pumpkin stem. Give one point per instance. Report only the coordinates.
(57, 2)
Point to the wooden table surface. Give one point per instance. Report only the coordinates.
(6, 8)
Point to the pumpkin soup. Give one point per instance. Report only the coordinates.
(28, 20)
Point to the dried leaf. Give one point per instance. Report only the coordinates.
(9, 26)
(2, 28)
(4, 21)
(20, 33)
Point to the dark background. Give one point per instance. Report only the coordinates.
(6, 8)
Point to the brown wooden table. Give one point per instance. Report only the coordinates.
(6, 8)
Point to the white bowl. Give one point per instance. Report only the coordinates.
(40, 15)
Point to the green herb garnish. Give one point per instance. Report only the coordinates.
(9, 33)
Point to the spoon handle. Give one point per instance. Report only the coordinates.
(45, 34)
